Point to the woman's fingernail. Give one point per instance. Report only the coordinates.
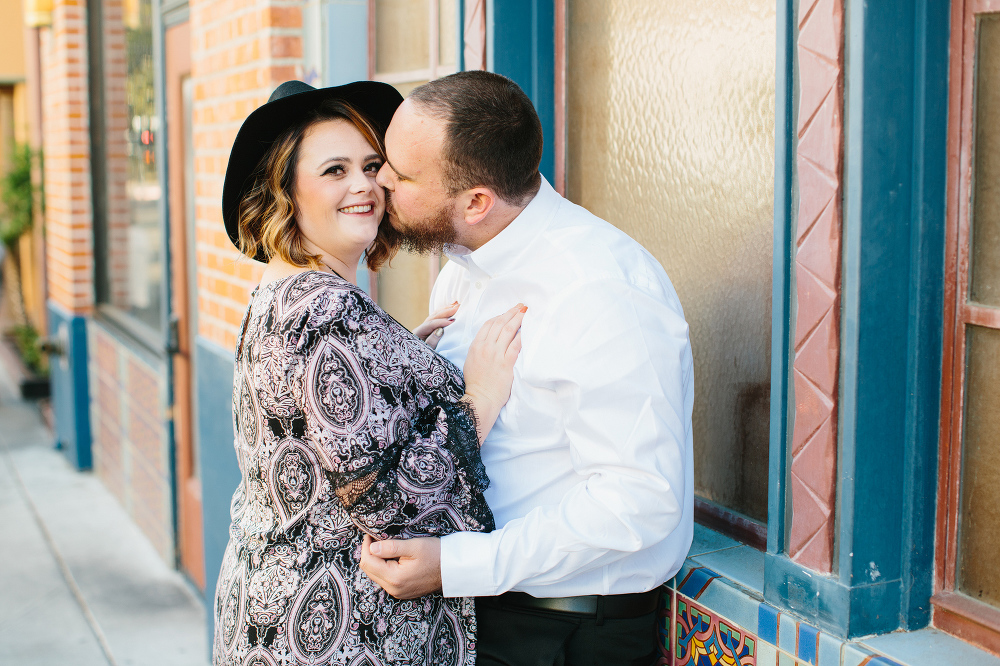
(524, 308)
(452, 319)
(375, 548)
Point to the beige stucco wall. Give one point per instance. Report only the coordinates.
(11, 41)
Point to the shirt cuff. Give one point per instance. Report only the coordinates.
(467, 565)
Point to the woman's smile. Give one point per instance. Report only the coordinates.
(358, 209)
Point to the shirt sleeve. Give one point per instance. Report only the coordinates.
(618, 359)
(404, 461)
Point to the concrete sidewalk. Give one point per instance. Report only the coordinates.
(79, 583)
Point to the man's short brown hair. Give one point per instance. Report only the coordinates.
(493, 137)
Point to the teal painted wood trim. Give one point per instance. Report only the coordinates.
(877, 222)
(521, 45)
(782, 308)
(892, 276)
(345, 57)
(926, 305)
(220, 473)
(69, 375)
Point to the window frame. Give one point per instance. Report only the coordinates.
(954, 612)
(153, 339)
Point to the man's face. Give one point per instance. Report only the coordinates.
(420, 206)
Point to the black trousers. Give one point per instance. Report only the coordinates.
(514, 636)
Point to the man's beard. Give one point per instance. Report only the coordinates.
(428, 237)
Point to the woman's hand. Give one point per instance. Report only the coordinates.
(489, 366)
(433, 327)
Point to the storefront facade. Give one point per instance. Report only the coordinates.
(808, 172)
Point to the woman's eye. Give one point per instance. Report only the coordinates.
(373, 166)
(334, 171)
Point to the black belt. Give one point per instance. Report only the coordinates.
(611, 606)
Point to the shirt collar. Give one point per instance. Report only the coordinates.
(498, 253)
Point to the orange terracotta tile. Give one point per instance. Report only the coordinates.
(819, 250)
(816, 189)
(816, 463)
(814, 300)
(817, 78)
(818, 356)
(820, 141)
(812, 408)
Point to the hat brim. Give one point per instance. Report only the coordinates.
(376, 101)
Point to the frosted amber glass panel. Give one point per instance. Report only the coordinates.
(985, 248)
(978, 555)
(448, 33)
(671, 137)
(404, 288)
(402, 36)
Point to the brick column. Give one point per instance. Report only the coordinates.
(241, 51)
(66, 143)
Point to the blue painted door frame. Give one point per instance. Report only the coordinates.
(520, 44)
(892, 284)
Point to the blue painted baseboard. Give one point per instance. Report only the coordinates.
(70, 386)
(220, 473)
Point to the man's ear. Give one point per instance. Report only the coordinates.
(476, 204)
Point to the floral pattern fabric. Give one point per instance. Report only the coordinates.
(345, 424)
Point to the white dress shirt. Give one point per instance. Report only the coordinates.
(590, 461)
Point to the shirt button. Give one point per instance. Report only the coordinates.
(479, 285)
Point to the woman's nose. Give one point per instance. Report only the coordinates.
(362, 182)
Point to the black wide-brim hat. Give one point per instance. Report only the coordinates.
(288, 104)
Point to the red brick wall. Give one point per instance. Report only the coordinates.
(241, 51)
(116, 151)
(130, 446)
(66, 143)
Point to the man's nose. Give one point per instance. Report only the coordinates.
(382, 177)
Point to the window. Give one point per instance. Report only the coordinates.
(967, 599)
(414, 41)
(681, 157)
(129, 257)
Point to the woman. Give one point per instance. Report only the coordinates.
(346, 423)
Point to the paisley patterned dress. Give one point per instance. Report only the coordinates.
(345, 424)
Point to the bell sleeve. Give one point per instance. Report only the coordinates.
(404, 461)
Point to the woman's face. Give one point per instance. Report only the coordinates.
(338, 204)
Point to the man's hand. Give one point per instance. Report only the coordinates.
(406, 569)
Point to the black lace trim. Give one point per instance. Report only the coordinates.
(463, 441)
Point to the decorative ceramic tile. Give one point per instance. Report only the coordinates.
(881, 661)
(734, 603)
(855, 655)
(767, 623)
(663, 622)
(829, 650)
(808, 643)
(708, 541)
(767, 654)
(787, 633)
(705, 639)
(696, 581)
(785, 659)
(745, 565)
(686, 569)
(929, 647)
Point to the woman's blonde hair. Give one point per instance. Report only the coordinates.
(267, 212)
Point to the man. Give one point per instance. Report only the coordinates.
(590, 461)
